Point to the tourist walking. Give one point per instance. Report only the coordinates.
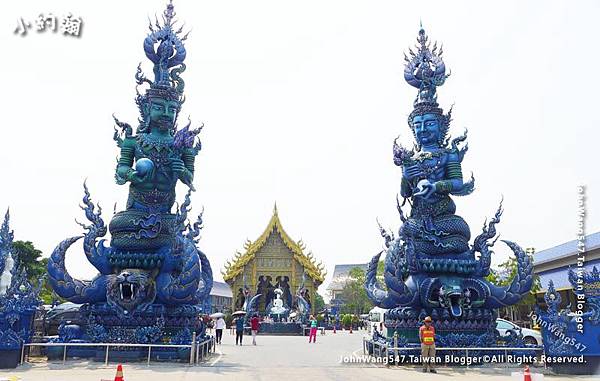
(239, 330)
(427, 337)
(313, 329)
(220, 325)
(254, 324)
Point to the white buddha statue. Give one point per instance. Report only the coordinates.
(6, 277)
(278, 308)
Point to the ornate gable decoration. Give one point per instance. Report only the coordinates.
(235, 267)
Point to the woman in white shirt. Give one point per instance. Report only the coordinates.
(219, 327)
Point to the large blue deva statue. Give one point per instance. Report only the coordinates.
(430, 267)
(154, 281)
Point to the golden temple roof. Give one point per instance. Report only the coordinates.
(235, 267)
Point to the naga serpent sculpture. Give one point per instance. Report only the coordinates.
(135, 280)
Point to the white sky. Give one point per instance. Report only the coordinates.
(301, 102)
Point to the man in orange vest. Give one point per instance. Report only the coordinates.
(427, 337)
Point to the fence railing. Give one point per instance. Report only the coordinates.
(383, 350)
(198, 350)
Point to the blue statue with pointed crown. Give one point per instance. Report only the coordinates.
(19, 300)
(430, 267)
(153, 280)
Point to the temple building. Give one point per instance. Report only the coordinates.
(553, 264)
(220, 297)
(273, 261)
(341, 276)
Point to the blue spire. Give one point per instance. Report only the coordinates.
(167, 57)
(425, 69)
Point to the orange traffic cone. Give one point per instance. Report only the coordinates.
(350, 328)
(334, 328)
(526, 374)
(119, 375)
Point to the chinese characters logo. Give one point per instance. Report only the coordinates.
(68, 25)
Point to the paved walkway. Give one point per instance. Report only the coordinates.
(281, 358)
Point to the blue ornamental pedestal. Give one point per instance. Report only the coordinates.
(281, 329)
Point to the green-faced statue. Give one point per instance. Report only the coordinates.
(157, 156)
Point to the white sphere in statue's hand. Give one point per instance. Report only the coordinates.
(422, 188)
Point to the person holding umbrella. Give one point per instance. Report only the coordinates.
(219, 326)
(239, 326)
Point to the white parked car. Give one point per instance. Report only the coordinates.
(530, 336)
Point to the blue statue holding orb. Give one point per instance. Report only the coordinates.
(430, 267)
(153, 281)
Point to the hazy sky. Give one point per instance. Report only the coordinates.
(301, 103)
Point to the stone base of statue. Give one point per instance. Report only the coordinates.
(9, 359)
(15, 327)
(72, 352)
(476, 326)
(100, 322)
(120, 354)
(281, 329)
(141, 354)
(157, 324)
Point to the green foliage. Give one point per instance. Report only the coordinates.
(354, 293)
(318, 302)
(35, 267)
(30, 257)
(357, 273)
(504, 275)
(228, 320)
(380, 271)
(346, 320)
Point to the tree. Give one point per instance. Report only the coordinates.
(347, 320)
(35, 266)
(503, 276)
(30, 257)
(354, 294)
(380, 276)
(319, 303)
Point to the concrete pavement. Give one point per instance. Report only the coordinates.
(281, 358)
